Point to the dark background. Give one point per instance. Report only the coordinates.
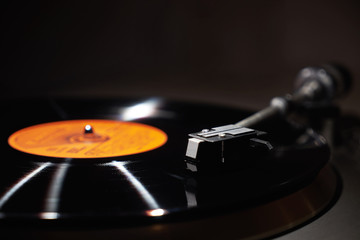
(239, 53)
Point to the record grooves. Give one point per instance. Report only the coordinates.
(151, 190)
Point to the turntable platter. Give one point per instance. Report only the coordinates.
(149, 188)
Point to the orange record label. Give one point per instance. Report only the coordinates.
(87, 139)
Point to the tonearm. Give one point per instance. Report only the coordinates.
(314, 86)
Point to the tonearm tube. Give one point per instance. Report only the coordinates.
(313, 86)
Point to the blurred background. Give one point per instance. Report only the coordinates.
(239, 53)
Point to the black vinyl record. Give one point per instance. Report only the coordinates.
(151, 187)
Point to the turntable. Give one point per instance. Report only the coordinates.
(158, 169)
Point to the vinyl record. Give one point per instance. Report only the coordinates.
(119, 164)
